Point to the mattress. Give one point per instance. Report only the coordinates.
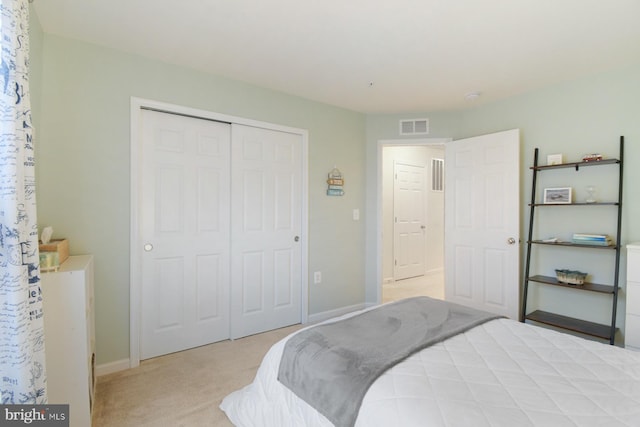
(501, 373)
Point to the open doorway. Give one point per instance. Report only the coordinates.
(412, 219)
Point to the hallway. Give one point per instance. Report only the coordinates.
(431, 285)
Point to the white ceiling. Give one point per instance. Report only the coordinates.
(371, 56)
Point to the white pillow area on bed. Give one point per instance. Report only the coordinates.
(501, 373)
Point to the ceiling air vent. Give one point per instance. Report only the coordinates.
(414, 127)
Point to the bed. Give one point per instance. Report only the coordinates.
(498, 372)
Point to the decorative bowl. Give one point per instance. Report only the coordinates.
(571, 277)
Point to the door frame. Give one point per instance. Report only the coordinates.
(135, 261)
(379, 225)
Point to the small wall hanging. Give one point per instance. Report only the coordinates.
(335, 183)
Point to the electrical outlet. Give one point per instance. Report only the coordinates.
(317, 277)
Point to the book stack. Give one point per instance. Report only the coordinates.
(592, 239)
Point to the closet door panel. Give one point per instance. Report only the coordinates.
(184, 232)
(266, 172)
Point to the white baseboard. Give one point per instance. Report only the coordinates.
(111, 367)
(325, 315)
(427, 273)
(434, 271)
(123, 364)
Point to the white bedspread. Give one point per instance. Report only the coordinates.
(501, 373)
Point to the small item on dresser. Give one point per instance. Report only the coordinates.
(49, 261)
(53, 252)
(571, 277)
(45, 236)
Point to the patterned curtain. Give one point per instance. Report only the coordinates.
(22, 364)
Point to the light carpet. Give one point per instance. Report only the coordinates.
(184, 389)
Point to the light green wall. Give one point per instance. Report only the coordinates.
(83, 168)
(35, 67)
(80, 98)
(577, 117)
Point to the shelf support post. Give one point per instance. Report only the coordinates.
(525, 288)
(614, 309)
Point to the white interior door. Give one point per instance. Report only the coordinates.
(409, 221)
(185, 237)
(266, 229)
(482, 222)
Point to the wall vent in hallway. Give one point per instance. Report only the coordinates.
(414, 127)
(437, 175)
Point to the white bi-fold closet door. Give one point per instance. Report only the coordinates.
(220, 225)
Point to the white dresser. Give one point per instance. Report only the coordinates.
(632, 320)
(70, 337)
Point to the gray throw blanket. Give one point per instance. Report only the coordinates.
(331, 366)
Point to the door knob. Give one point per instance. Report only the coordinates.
(295, 239)
(511, 241)
(148, 247)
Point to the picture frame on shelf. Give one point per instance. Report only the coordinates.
(557, 195)
(554, 159)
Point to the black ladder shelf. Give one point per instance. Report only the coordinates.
(558, 320)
